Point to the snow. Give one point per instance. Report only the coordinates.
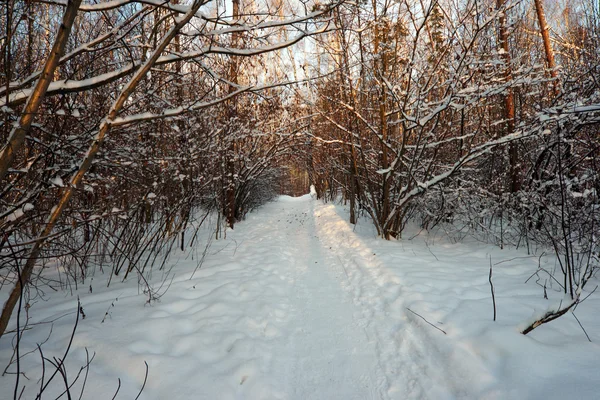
(15, 215)
(296, 303)
(111, 4)
(57, 181)
(586, 109)
(72, 85)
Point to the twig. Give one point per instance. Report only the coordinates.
(31, 325)
(87, 370)
(516, 258)
(589, 294)
(107, 314)
(118, 388)
(582, 328)
(204, 253)
(43, 364)
(427, 245)
(423, 318)
(492, 289)
(18, 345)
(144, 384)
(12, 359)
(549, 274)
(61, 361)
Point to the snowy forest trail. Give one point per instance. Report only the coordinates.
(295, 303)
(328, 354)
(291, 305)
(349, 336)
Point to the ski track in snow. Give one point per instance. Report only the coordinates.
(292, 305)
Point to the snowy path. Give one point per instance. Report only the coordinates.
(350, 336)
(295, 305)
(328, 355)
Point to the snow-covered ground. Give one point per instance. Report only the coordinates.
(298, 304)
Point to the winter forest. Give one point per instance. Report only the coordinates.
(295, 199)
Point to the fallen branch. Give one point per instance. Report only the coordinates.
(550, 316)
(423, 318)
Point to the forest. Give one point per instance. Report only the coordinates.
(129, 126)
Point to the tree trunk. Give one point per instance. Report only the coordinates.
(19, 133)
(230, 154)
(381, 67)
(509, 103)
(544, 30)
(87, 163)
